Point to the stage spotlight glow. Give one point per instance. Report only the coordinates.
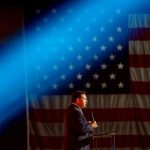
(51, 39)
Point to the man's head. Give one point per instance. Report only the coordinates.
(79, 98)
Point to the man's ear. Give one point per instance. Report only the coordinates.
(77, 100)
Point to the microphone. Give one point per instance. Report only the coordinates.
(94, 124)
(92, 116)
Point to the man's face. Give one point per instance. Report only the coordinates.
(82, 101)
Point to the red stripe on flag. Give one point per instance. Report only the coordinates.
(125, 141)
(47, 115)
(45, 142)
(121, 141)
(102, 114)
(141, 34)
(140, 87)
(140, 61)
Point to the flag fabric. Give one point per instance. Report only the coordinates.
(110, 61)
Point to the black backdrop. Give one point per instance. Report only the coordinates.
(13, 132)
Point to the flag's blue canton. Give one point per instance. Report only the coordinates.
(91, 53)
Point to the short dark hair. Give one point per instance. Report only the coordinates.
(77, 94)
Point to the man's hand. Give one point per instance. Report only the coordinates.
(94, 124)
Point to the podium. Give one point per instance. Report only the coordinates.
(97, 138)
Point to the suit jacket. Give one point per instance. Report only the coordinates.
(77, 130)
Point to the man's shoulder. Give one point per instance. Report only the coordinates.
(73, 107)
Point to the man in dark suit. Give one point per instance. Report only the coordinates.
(78, 131)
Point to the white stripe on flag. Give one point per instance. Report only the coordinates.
(139, 47)
(139, 21)
(140, 74)
(94, 101)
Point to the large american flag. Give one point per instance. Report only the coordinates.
(104, 51)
